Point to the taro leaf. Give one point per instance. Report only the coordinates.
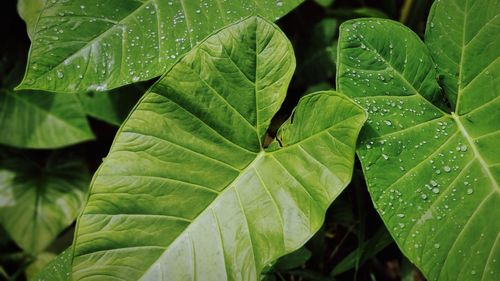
(188, 192)
(38, 201)
(58, 269)
(433, 176)
(32, 119)
(85, 45)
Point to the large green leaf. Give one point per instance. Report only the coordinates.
(38, 201)
(32, 119)
(433, 176)
(188, 192)
(98, 45)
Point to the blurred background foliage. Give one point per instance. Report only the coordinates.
(353, 243)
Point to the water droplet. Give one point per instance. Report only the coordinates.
(447, 169)
(470, 191)
(423, 196)
(387, 122)
(385, 156)
(435, 190)
(463, 148)
(437, 245)
(401, 215)
(434, 183)
(60, 74)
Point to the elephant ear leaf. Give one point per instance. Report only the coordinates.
(87, 45)
(38, 201)
(189, 192)
(433, 176)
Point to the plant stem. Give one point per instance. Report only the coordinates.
(405, 11)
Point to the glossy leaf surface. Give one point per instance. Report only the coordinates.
(433, 176)
(188, 192)
(38, 202)
(32, 119)
(80, 46)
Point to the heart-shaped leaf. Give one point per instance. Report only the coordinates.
(85, 45)
(37, 202)
(432, 175)
(188, 192)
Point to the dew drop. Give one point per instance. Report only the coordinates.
(60, 74)
(437, 245)
(385, 156)
(447, 169)
(470, 191)
(435, 190)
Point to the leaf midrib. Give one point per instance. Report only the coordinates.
(261, 154)
(477, 155)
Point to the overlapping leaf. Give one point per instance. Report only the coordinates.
(433, 176)
(98, 45)
(31, 119)
(38, 202)
(188, 192)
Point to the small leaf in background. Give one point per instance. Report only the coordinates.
(38, 201)
(293, 260)
(58, 269)
(41, 260)
(113, 106)
(188, 191)
(35, 119)
(433, 175)
(101, 45)
(324, 3)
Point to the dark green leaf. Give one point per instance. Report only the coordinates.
(32, 119)
(38, 202)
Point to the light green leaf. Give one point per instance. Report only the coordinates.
(29, 10)
(433, 176)
(59, 269)
(32, 119)
(86, 45)
(188, 192)
(40, 261)
(38, 201)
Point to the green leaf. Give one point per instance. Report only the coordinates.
(59, 269)
(187, 190)
(380, 240)
(32, 119)
(86, 45)
(113, 106)
(38, 201)
(29, 10)
(433, 176)
(293, 260)
(461, 37)
(40, 261)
